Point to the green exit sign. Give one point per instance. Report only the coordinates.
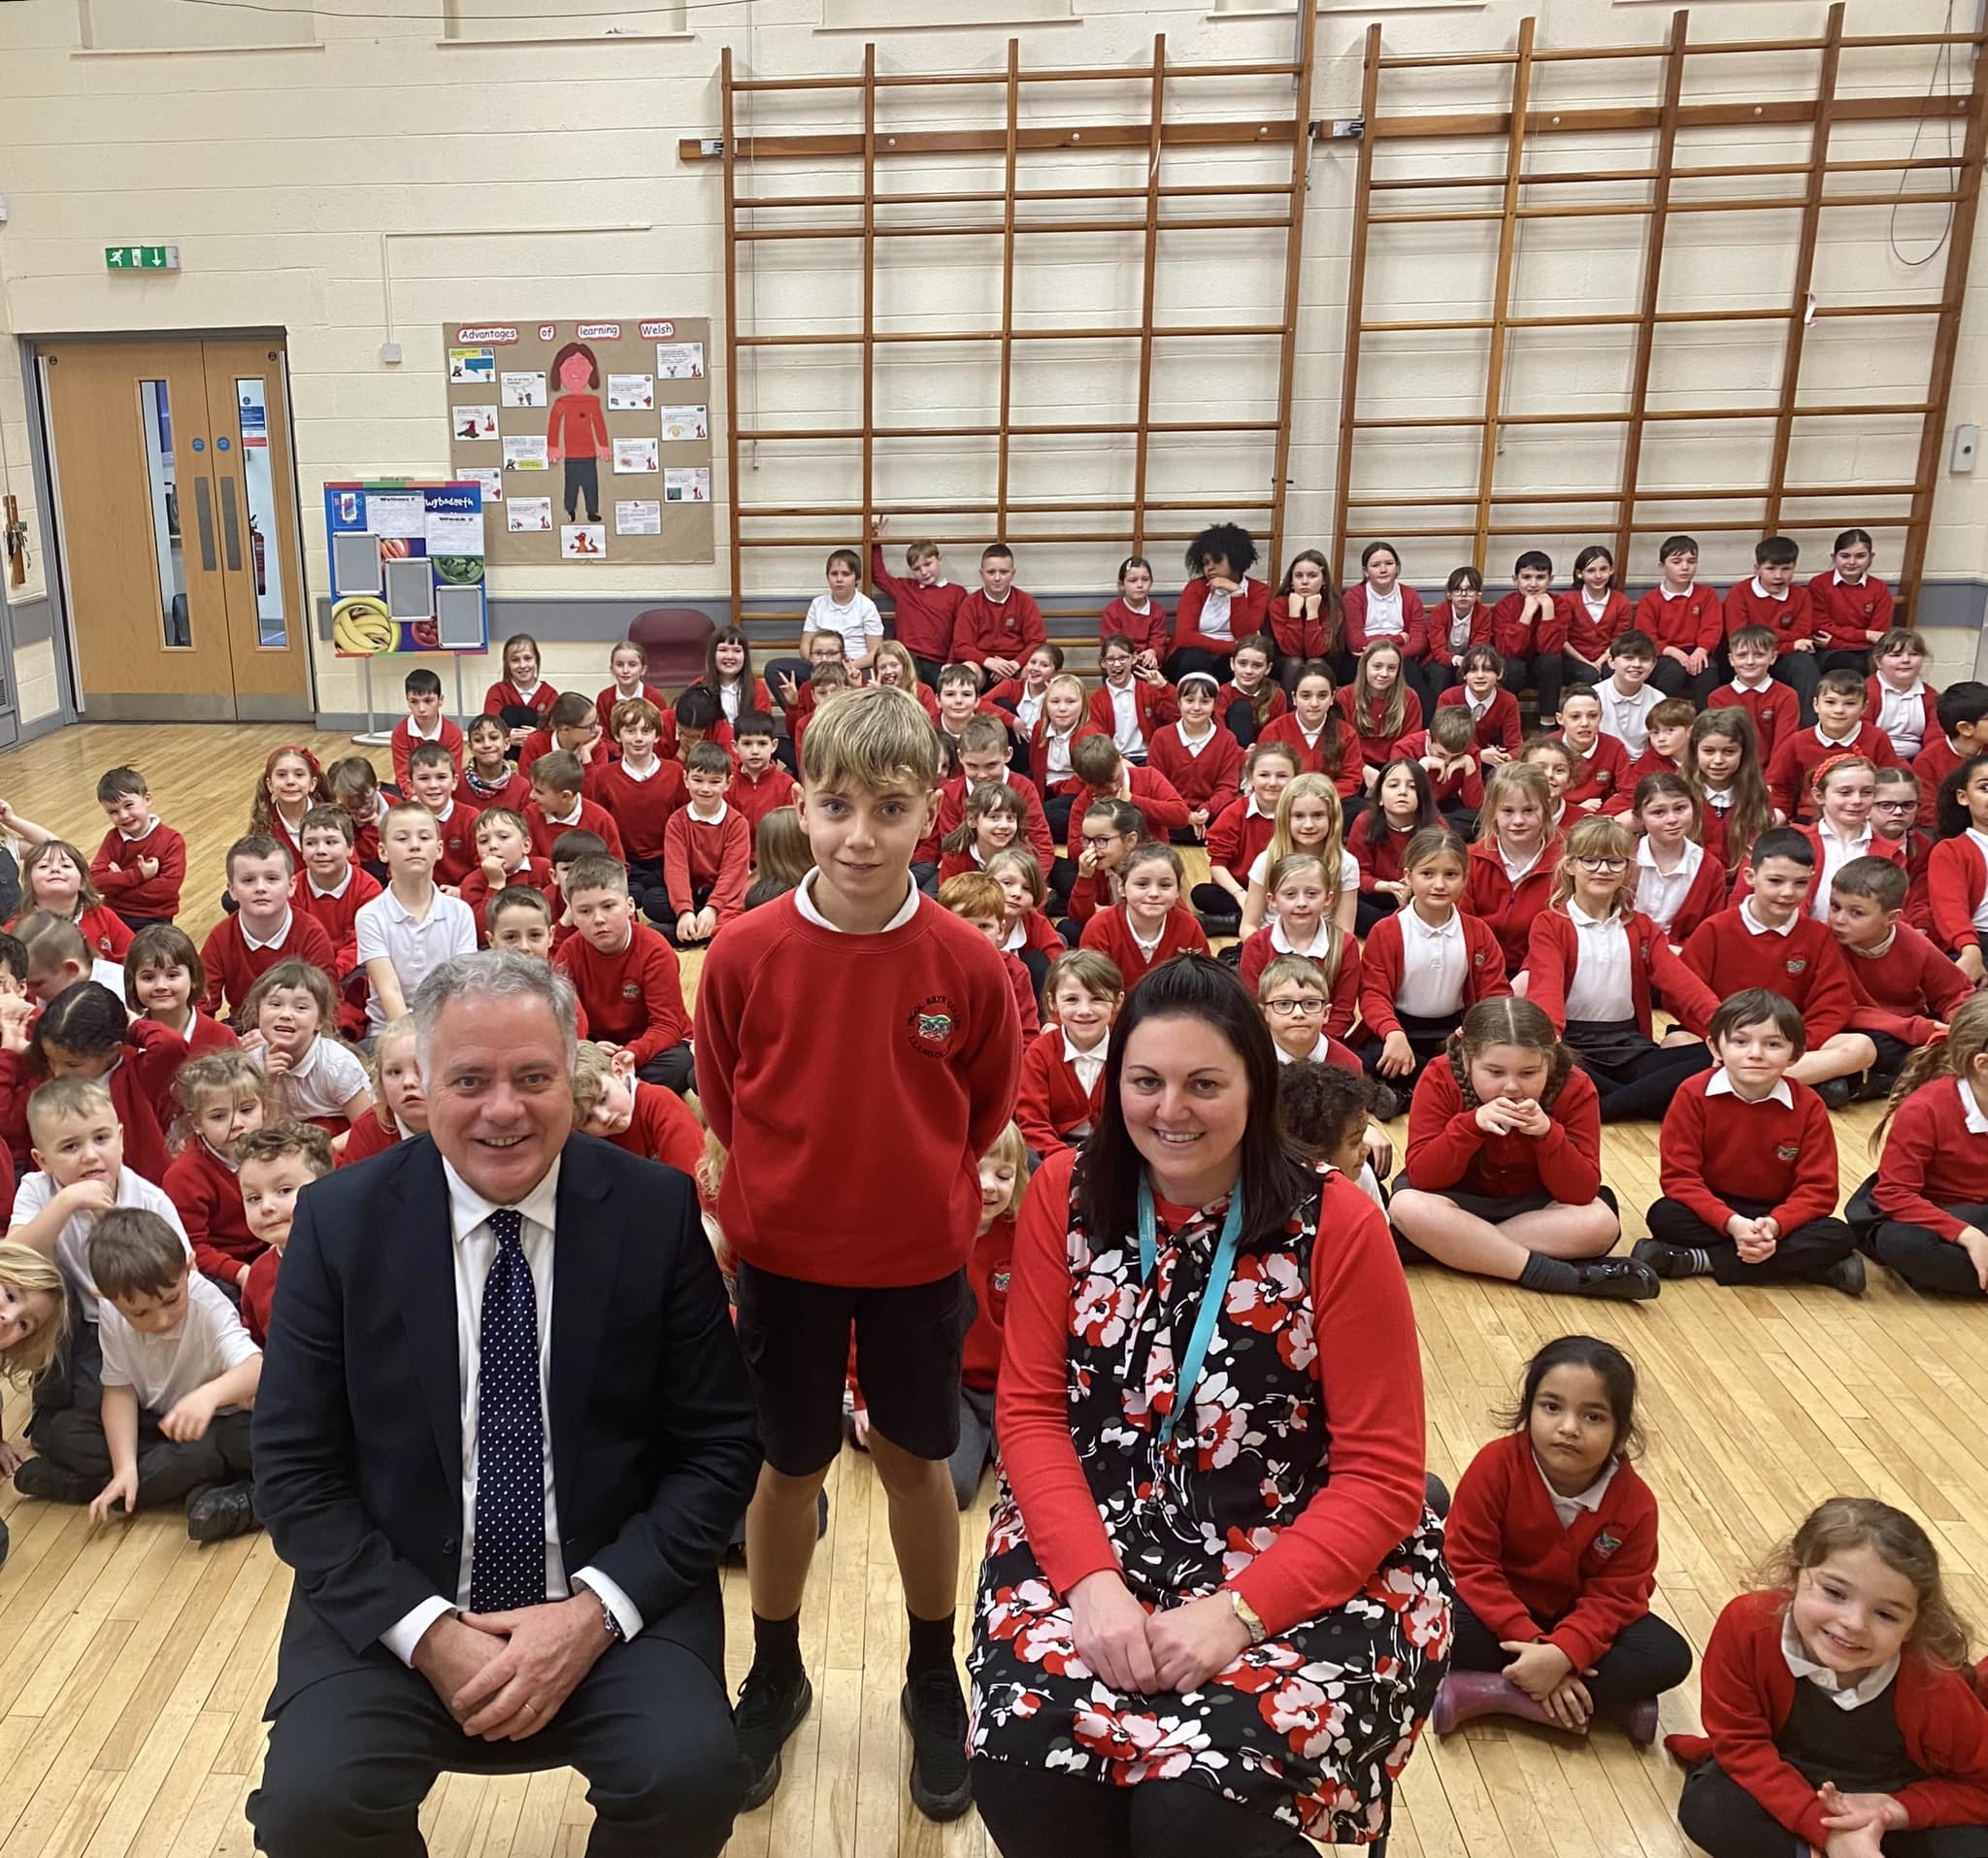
(140, 258)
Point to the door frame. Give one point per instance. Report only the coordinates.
(47, 465)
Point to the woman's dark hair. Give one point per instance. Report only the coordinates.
(1233, 542)
(1950, 815)
(1607, 1363)
(86, 1018)
(1272, 1182)
(1372, 826)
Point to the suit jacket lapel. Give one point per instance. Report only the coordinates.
(423, 1254)
(584, 1249)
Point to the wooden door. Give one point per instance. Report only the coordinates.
(179, 529)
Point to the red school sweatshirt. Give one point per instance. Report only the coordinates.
(233, 967)
(708, 854)
(1498, 727)
(1035, 823)
(1775, 709)
(1238, 836)
(1716, 1149)
(1208, 778)
(207, 1193)
(1446, 1149)
(1531, 1578)
(1050, 1103)
(1910, 990)
(1689, 622)
(755, 799)
(1599, 775)
(1335, 751)
(984, 628)
(1379, 744)
(1581, 631)
(1790, 618)
(603, 704)
(1805, 965)
(458, 834)
(1148, 631)
(1797, 756)
(592, 818)
(1110, 933)
(1344, 997)
(641, 810)
(404, 741)
(1248, 612)
(114, 871)
(1932, 1160)
(1149, 790)
(922, 618)
(989, 1273)
(337, 912)
(1845, 615)
(633, 998)
(919, 1017)
(1956, 877)
(535, 874)
(502, 700)
(1515, 640)
(662, 1129)
(1413, 638)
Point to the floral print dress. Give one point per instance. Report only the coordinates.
(1311, 1726)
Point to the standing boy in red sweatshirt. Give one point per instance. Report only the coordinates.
(625, 975)
(863, 1222)
(142, 863)
(925, 606)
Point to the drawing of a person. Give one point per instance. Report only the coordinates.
(577, 431)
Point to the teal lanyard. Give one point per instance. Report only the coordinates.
(1219, 1272)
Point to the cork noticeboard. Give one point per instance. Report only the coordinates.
(591, 438)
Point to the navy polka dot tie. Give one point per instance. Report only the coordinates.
(507, 1565)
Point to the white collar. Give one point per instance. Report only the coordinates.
(1002, 601)
(716, 818)
(1589, 1499)
(467, 1209)
(1581, 918)
(1687, 864)
(1145, 944)
(268, 942)
(344, 883)
(1824, 830)
(1283, 946)
(1722, 1085)
(568, 818)
(1755, 926)
(150, 826)
(1836, 580)
(1253, 812)
(1668, 595)
(1915, 689)
(447, 812)
(1970, 1109)
(527, 691)
(420, 734)
(1878, 953)
(630, 771)
(221, 1160)
(803, 902)
(1412, 918)
(1873, 1684)
(1751, 689)
(1076, 1056)
(400, 910)
(1621, 695)
(1768, 593)
(1847, 746)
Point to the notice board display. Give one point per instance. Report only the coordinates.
(407, 567)
(591, 439)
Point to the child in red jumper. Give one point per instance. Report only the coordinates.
(1925, 1211)
(1774, 602)
(1906, 990)
(976, 897)
(1514, 859)
(642, 792)
(1747, 1162)
(1027, 933)
(1106, 774)
(1504, 1175)
(1678, 882)
(1462, 620)
(925, 605)
(707, 851)
(1601, 761)
(1379, 708)
(54, 878)
(1593, 614)
(1852, 1663)
(1667, 742)
(1683, 620)
(1527, 629)
(627, 976)
(1840, 729)
(1904, 706)
(520, 701)
(610, 1101)
(142, 863)
(505, 857)
(1063, 1072)
(867, 1222)
(1241, 830)
(1493, 710)
(984, 753)
(628, 675)
(1382, 606)
(331, 890)
(399, 1112)
(1003, 1181)
(1754, 689)
(1853, 607)
(1220, 604)
(1552, 1538)
(276, 1164)
(1309, 819)
(1305, 614)
(1252, 698)
(557, 805)
(1300, 898)
(1957, 868)
(264, 928)
(291, 784)
(1150, 926)
(1447, 753)
(1324, 741)
(163, 982)
(353, 785)
(1723, 764)
(1403, 805)
(991, 823)
(489, 779)
(423, 722)
(222, 1099)
(1131, 704)
(1198, 758)
(1137, 614)
(995, 624)
(432, 781)
(759, 784)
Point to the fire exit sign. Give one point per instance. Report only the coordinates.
(140, 258)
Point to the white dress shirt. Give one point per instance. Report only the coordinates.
(1029, 706)
(1873, 1684)
(1837, 853)
(1384, 614)
(1661, 894)
(1215, 619)
(1433, 963)
(1086, 1064)
(1126, 734)
(1600, 987)
(803, 902)
(475, 1246)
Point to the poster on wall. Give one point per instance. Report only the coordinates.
(565, 418)
(407, 567)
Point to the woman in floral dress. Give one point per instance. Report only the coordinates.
(1220, 1638)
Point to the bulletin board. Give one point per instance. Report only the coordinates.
(407, 567)
(591, 439)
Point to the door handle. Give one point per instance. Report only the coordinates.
(203, 513)
(231, 525)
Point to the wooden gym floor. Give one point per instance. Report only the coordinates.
(134, 1665)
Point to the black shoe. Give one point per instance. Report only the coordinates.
(1845, 1274)
(1213, 925)
(1836, 1092)
(1667, 1261)
(1617, 1279)
(221, 1511)
(935, 1712)
(771, 1708)
(43, 1478)
(1382, 1105)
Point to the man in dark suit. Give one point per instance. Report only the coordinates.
(503, 1437)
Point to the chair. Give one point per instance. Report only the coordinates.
(675, 639)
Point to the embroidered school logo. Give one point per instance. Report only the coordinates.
(1787, 1152)
(631, 990)
(1797, 964)
(1477, 959)
(933, 1026)
(1607, 1545)
(1603, 778)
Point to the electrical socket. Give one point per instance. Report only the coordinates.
(391, 354)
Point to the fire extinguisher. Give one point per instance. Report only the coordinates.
(259, 549)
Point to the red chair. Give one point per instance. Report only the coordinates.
(674, 638)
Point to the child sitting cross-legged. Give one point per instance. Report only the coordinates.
(610, 1101)
(976, 898)
(1063, 1072)
(1906, 990)
(277, 1163)
(312, 1077)
(393, 1069)
(163, 980)
(1552, 1538)
(707, 851)
(1003, 1181)
(1748, 1163)
(222, 1101)
(627, 976)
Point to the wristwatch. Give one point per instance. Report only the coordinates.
(1247, 1614)
(609, 1622)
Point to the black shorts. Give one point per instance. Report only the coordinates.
(795, 1335)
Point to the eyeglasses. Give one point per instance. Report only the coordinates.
(1895, 806)
(1598, 865)
(1099, 842)
(1297, 1009)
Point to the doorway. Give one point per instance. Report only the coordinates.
(178, 531)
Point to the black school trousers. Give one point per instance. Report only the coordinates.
(1804, 1254)
(1719, 1815)
(1648, 1657)
(1917, 1254)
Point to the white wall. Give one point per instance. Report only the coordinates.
(277, 171)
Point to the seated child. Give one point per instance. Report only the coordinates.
(627, 976)
(1328, 1117)
(1403, 805)
(57, 958)
(1504, 1175)
(1592, 612)
(489, 779)
(411, 927)
(1669, 741)
(276, 1164)
(1515, 856)
(1682, 621)
(393, 1069)
(1774, 602)
(1131, 704)
(353, 785)
(984, 753)
(1493, 710)
(1106, 774)
(1004, 1182)
(699, 715)
(760, 785)
(847, 609)
(1253, 699)
(1317, 729)
(86, 1032)
(1957, 868)
(1853, 607)
(1899, 699)
(642, 792)
(263, 928)
(1963, 715)
(1061, 1085)
(1601, 761)
(1747, 1162)
(1379, 708)
(976, 898)
(926, 602)
(1447, 753)
(432, 777)
(423, 722)
(1309, 819)
(1057, 731)
(1678, 882)
(628, 682)
(163, 979)
(782, 858)
(141, 864)
(1198, 758)
(707, 851)
(54, 877)
(1895, 819)
(330, 889)
(521, 918)
(1905, 989)
(291, 784)
(1300, 896)
(991, 822)
(1531, 635)
(1754, 689)
(1924, 1213)
(1840, 729)
(568, 850)
(1552, 1538)
(1149, 926)
(558, 806)
(503, 857)
(1852, 1663)
(1243, 829)
(221, 1102)
(521, 700)
(824, 682)
(571, 728)
(1631, 690)
(610, 1101)
(312, 1076)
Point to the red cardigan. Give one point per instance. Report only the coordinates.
(1207, 781)
(1932, 1161)
(1446, 1149)
(1050, 1103)
(1300, 638)
(1153, 705)
(1507, 908)
(1237, 837)
(1248, 611)
(1746, 1691)
(1956, 876)
(1377, 748)
(1715, 1151)
(1110, 933)
(1909, 991)
(1599, 776)
(1370, 1378)
(1554, 953)
(1413, 639)
(1039, 757)
(1704, 899)
(1340, 762)
(1581, 632)
(207, 1194)
(1845, 615)
(1528, 1575)
(1256, 955)
(1384, 959)
(1498, 727)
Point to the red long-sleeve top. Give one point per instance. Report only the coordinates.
(1805, 965)
(1703, 900)
(1153, 706)
(714, 852)
(1515, 640)
(1746, 1692)
(160, 1056)
(535, 874)
(336, 915)
(1237, 837)
(1342, 1003)
(662, 1129)
(208, 1196)
(1442, 621)
(1150, 791)
(919, 1017)
(1206, 780)
(1910, 990)
(1797, 756)
(1050, 1102)
(1461, 784)
(1379, 861)
(1148, 631)
(1773, 708)
(1446, 1147)
(503, 696)
(1956, 876)
(1790, 618)
(990, 1271)
(1110, 933)
(1649, 762)
(1248, 611)
(603, 704)
(1932, 1160)
(370, 1137)
(592, 818)
(457, 857)
(1498, 727)
(1689, 622)
(1583, 632)
(984, 628)
(577, 426)
(633, 998)
(114, 871)
(641, 810)
(1509, 908)
(1369, 1375)
(1333, 754)
(755, 799)
(1300, 638)
(1384, 959)
(1849, 616)
(1237, 709)
(1600, 775)
(404, 741)
(1413, 638)
(922, 617)
(233, 967)
(1717, 1149)
(1035, 824)
(1532, 1578)
(1379, 744)
(513, 791)
(1039, 757)
(1553, 955)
